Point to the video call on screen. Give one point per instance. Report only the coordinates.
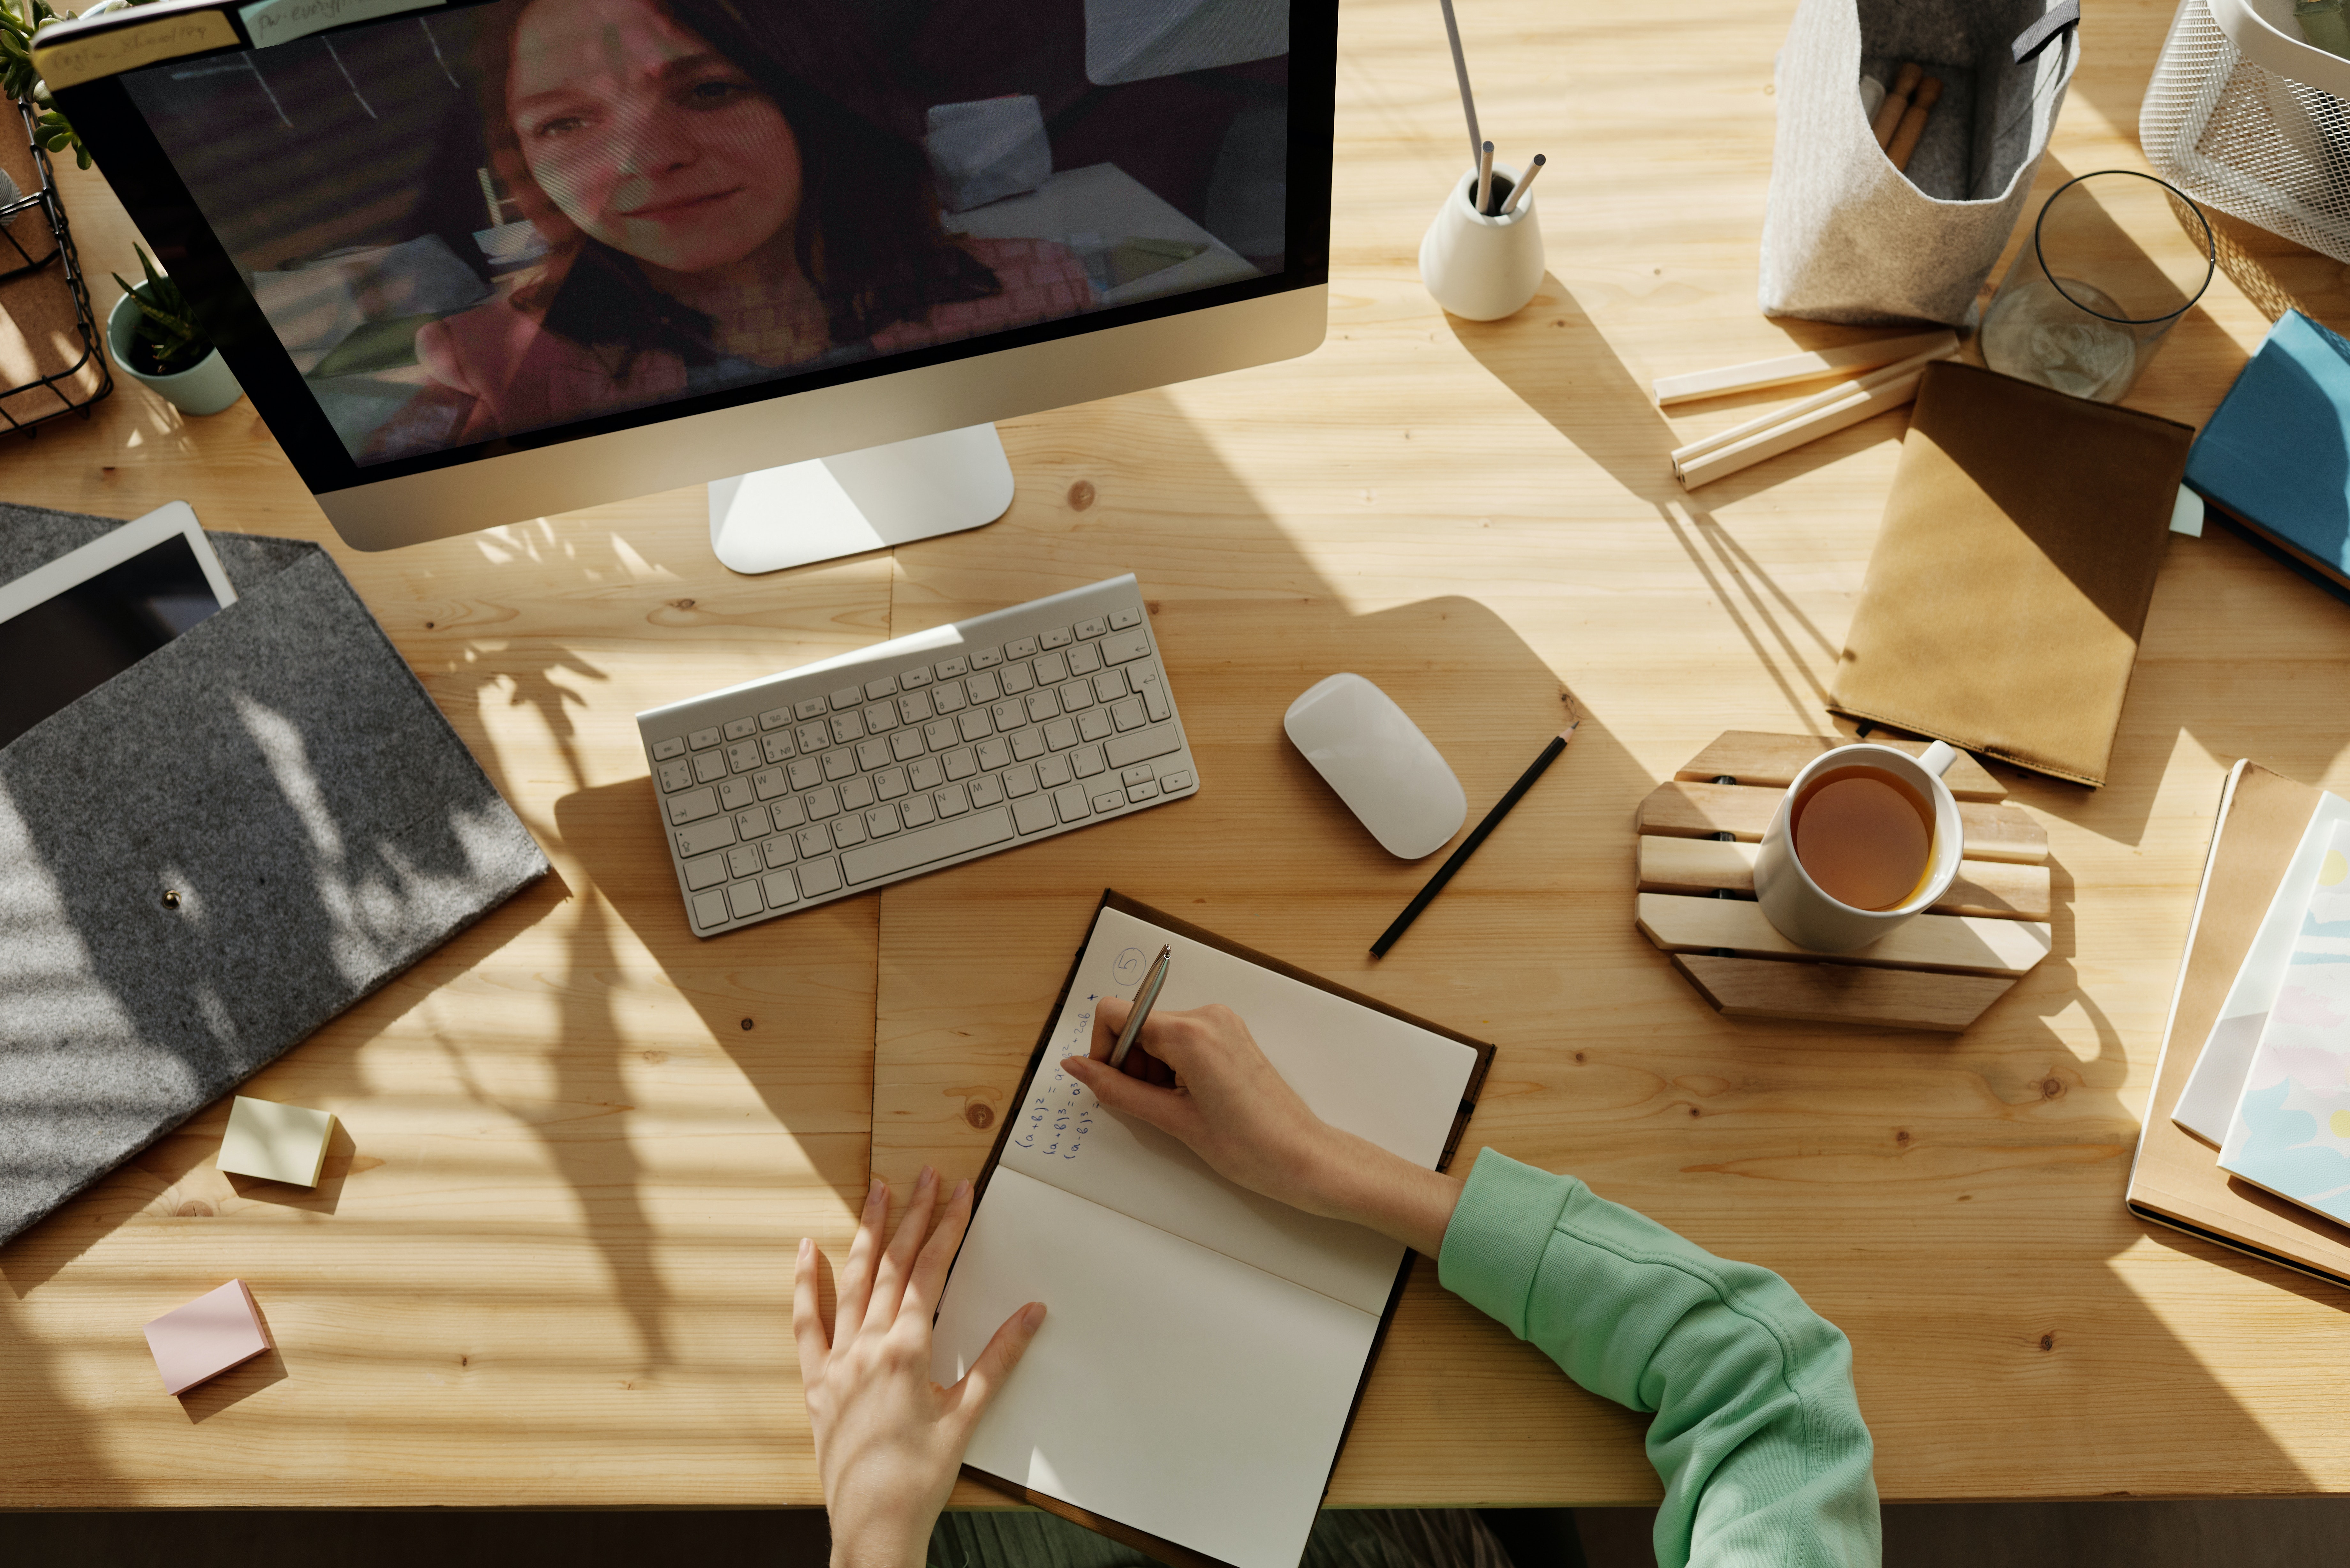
(470, 223)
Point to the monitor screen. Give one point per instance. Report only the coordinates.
(474, 224)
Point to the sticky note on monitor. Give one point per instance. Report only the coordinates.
(204, 1338)
(274, 1142)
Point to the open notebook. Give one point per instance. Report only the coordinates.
(1205, 1346)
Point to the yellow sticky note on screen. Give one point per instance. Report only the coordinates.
(82, 56)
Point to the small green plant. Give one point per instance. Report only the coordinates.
(167, 330)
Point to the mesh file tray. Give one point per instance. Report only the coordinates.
(279, 769)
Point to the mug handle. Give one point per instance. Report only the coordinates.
(1936, 758)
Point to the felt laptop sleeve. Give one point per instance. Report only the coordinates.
(2011, 580)
(280, 773)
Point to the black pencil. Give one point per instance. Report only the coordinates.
(1459, 857)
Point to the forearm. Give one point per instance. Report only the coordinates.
(1355, 1180)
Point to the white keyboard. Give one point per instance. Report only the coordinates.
(921, 753)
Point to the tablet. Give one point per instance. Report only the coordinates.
(72, 625)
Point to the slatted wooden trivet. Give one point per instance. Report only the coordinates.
(1699, 834)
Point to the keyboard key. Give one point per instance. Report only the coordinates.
(942, 734)
(710, 766)
(1052, 772)
(1071, 804)
(1127, 712)
(992, 754)
(704, 836)
(1051, 670)
(848, 830)
(925, 774)
(780, 851)
(735, 793)
(1019, 781)
(1042, 705)
(1021, 648)
(1087, 762)
(692, 806)
(1154, 701)
(769, 784)
(913, 707)
(1109, 685)
(1141, 772)
(779, 890)
(710, 910)
(889, 784)
(951, 801)
(744, 899)
(675, 776)
(986, 657)
(918, 812)
(985, 791)
(913, 680)
(1076, 696)
(1084, 660)
(871, 755)
(886, 686)
(1093, 723)
(743, 756)
(743, 860)
(1120, 647)
(1110, 800)
(952, 669)
(788, 814)
(1125, 750)
(672, 747)
(975, 725)
(741, 729)
(822, 803)
(846, 697)
(908, 850)
(847, 727)
(1119, 620)
(1060, 734)
(1089, 629)
(855, 794)
(775, 747)
(814, 841)
(983, 688)
(838, 765)
(753, 823)
(881, 821)
(1027, 745)
(808, 708)
(819, 877)
(702, 740)
(1015, 679)
(1034, 813)
(906, 745)
(775, 718)
(1143, 792)
(707, 871)
(881, 718)
(949, 700)
(1009, 714)
(813, 738)
(805, 775)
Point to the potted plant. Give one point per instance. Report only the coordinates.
(153, 336)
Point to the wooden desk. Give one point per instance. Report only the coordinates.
(552, 1266)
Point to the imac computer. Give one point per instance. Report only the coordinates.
(475, 262)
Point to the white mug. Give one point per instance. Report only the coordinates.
(1808, 916)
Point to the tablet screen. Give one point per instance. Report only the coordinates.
(62, 647)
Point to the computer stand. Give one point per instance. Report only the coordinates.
(859, 501)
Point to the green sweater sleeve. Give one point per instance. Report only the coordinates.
(1757, 1437)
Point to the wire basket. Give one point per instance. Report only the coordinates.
(2244, 115)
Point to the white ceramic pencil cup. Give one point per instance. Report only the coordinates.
(1480, 267)
(1808, 916)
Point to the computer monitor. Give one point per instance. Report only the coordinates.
(475, 262)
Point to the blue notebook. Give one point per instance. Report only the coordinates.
(2275, 458)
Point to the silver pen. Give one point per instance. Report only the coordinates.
(1143, 999)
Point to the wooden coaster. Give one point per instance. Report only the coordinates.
(1699, 833)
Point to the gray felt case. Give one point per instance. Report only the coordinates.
(1849, 237)
(280, 768)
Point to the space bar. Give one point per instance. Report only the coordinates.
(924, 845)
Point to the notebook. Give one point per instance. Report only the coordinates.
(2012, 575)
(2174, 1180)
(2208, 1102)
(1205, 1346)
(2274, 460)
(2290, 1131)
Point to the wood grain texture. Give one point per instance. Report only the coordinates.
(1680, 808)
(1840, 993)
(1983, 887)
(1956, 944)
(1749, 757)
(565, 1283)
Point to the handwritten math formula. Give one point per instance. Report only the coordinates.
(1060, 1113)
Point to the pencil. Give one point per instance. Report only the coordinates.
(1485, 179)
(1460, 71)
(1459, 857)
(1518, 191)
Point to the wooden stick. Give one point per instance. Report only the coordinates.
(1484, 178)
(1849, 410)
(1518, 191)
(1760, 375)
(1913, 123)
(1896, 104)
(1756, 426)
(1461, 71)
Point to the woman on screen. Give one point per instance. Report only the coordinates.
(715, 218)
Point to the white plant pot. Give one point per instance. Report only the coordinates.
(206, 389)
(1480, 267)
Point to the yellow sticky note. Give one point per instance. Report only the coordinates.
(274, 1142)
(85, 55)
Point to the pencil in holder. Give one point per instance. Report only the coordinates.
(1480, 267)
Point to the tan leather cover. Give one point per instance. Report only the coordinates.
(2010, 582)
(2176, 1177)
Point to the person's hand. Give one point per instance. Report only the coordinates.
(887, 1440)
(1201, 1077)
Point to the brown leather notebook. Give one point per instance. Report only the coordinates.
(2176, 1177)
(2011, 580)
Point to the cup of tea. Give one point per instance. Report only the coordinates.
(1866, 838)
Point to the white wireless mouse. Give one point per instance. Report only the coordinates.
(1380, 764)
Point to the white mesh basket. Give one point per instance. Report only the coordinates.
(2246, 116)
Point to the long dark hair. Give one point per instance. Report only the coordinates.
(867, 237)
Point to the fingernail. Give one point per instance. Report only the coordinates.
(1034, 1318)
(805, 1244)
(961, 1187)
(875, 1193)
(923, 1181)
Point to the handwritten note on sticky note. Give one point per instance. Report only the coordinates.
(283, 21)
(86, 57)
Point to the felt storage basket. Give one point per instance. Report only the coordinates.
(1849, 237)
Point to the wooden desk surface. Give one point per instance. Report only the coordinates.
(551, 1265)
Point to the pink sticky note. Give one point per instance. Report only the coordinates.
(206, 1337)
